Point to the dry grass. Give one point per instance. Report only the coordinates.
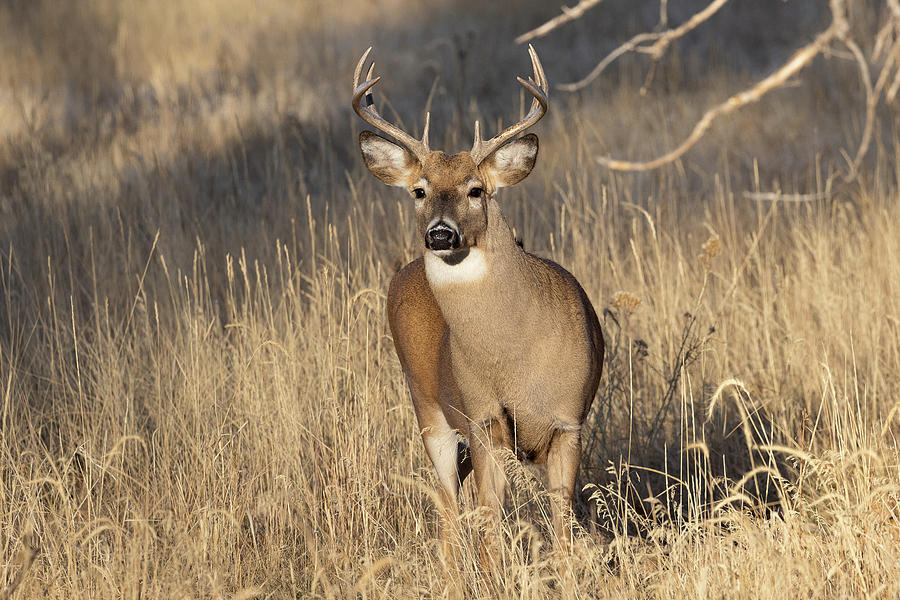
(198, 391)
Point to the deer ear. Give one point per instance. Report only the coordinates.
(512, 162)
(386, 160)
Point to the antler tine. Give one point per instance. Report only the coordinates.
(539, 75)
(358, 71)
(370, 115)
(538, 88)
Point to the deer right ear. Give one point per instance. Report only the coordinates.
(387, 161)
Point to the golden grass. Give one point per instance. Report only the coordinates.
(199, 396)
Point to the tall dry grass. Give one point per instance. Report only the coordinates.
(198, 391)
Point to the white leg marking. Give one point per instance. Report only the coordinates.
(441, 445)
(472, 268)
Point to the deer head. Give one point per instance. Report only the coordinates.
(451, 192)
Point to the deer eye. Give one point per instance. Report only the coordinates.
(419, 193)
(476, 192)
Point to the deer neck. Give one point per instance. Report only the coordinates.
(480, 295)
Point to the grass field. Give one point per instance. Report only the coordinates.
(199, 396)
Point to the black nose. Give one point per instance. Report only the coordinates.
(441, 237)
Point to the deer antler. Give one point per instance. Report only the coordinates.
(368, 113)
(539, 88)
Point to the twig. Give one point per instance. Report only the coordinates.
(568, 14)
(667, 37)
(661, 42)
(628, 46)
(801, 58)
(871, 104)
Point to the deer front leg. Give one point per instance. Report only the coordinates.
(450, 458)
(563, 457)
(485, 438)
(452, 463)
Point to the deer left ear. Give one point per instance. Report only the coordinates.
(512, 162)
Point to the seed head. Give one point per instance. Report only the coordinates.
(625, 303)
(711, 249)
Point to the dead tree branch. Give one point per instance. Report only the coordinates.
(837, 31)
(654, 44)
(885, 50)
(667, 37)
(568, 14)
(798, 61)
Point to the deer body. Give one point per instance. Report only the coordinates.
(501, 348)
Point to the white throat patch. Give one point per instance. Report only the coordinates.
(471, 269)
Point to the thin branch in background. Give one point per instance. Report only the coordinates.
(568, 14)
(871, 103)
(654, 44)
(837, 30)
(894, 5)
(886, 45)
(797, 62)
(667, 37)
(658, 49)
(893, 55)
(895, 87)
(628, 46)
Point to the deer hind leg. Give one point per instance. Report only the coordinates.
(563, 457)
(486, 437)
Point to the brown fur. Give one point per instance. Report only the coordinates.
(511, 358)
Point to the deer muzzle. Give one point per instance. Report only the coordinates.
(442, 236)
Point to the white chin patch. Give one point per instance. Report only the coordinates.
(439, 273)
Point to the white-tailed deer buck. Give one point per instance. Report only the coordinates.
(501, 348)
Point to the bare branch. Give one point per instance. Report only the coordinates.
(871, 103)
(837, 30)
(894, 5)
(895, 87)
(873, 95)
(797, 62)
(887, 85)
(628, 46)
(894, 54)
(667, 37)
(568, 14)
(661, 42)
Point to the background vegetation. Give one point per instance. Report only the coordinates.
(199, 396)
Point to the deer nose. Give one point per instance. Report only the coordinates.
(441, 237)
